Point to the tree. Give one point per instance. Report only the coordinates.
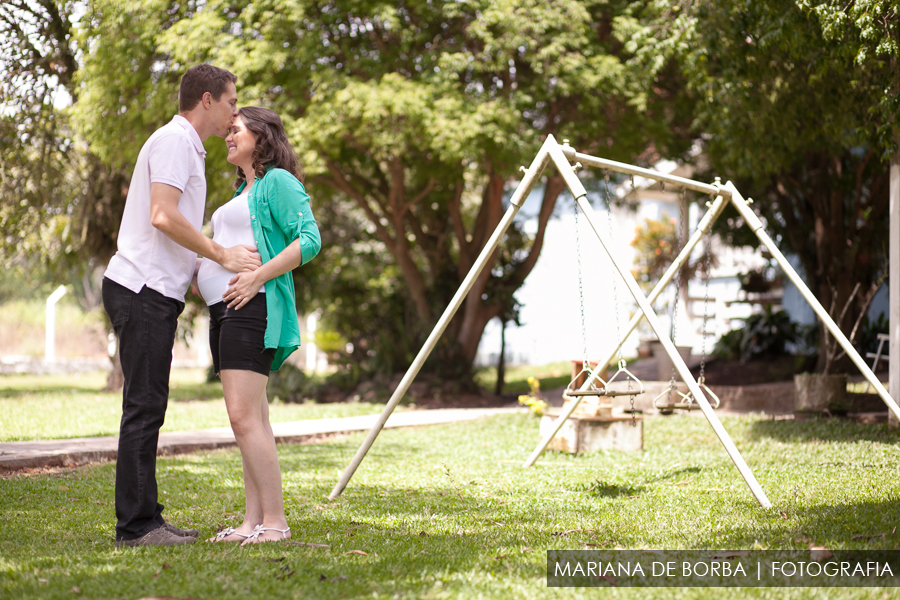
(37, 66)
(60, 204)
(418, 113)
(799, 103)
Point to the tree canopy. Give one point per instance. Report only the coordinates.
(798, 103)
(60, 204)
(412, 116)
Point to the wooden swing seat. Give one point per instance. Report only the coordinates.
(601, 393)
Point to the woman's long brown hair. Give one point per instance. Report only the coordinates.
(272, 146)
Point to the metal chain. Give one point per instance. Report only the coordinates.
(616, 295)
(706, 263)
(581, 291)
(615, 287)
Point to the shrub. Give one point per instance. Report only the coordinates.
(765, 333)
(290, 384)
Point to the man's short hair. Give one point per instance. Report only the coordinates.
(199, 80)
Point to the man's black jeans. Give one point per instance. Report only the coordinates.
(145, 325)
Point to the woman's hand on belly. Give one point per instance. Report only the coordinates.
(242, 288)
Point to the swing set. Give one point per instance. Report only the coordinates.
(560, 156)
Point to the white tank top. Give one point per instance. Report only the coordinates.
(231, 226)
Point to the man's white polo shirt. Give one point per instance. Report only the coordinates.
(173, 155)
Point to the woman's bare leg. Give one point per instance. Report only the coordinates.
(248, 411)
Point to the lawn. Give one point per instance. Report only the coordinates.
(552, 375)
(448, 512)
(42, 407)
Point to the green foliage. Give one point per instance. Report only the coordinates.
(128, 85)
(59, 204)
(797, 102)
(293, 385)
(655, 244)
(410, 120)
(764, 334)
(784, 76)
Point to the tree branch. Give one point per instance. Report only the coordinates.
(552, 190)
(338, 182)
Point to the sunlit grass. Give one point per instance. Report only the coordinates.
(551, 375)
(448, 512)
(863, 387)
(48, 407)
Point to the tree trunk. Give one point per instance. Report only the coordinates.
(834, 210)
(501, 362)
(476, 312)
(116, 379)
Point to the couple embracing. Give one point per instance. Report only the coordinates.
(243, 274)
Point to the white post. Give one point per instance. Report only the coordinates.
(50, 331)
(894, 286)
(200, 336)
(311, 350)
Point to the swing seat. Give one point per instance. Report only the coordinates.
(603, 390)
(686, 401)
(605, 393)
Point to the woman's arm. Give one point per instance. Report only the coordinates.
(292, 213)
(245, 285)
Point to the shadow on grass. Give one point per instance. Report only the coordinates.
(181, 393)
(15, 394)
(825, 429)
(600, 489)
(8, 394)
(606, 489)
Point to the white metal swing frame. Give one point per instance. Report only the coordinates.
(560, 155)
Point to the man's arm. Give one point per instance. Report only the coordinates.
(164, 216)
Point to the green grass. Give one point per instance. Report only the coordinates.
(448, 512)
(42, 407)
(551, 376)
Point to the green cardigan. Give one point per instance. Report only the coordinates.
(280, 214)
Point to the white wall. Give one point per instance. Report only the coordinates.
(551, 306)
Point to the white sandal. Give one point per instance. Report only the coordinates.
(259, 530)
(220, 536)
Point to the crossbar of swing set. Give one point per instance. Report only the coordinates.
(529, 180)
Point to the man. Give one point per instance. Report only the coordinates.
(144, 286)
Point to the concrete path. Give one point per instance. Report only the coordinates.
(80, 451)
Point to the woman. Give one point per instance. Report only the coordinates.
(253, 320)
